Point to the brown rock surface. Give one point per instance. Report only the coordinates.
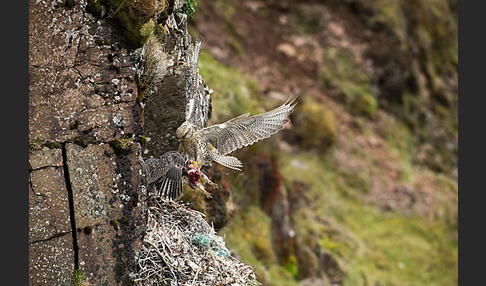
(51, 262)
(107, 209)
(75, 80)
(160, 126)
(92, 175)
(49, 204)
(96, 255)
(82, 85)
(45, 157)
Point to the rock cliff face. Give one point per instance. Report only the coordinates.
(86, 113)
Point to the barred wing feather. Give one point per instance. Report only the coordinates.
(245, 130)
(166, 174)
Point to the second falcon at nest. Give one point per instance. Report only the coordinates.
(213, 143)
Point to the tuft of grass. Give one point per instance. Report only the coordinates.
(156, 62)
(78, 278)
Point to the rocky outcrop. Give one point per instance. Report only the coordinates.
(83, 96)
(87, 113)
(179, 95)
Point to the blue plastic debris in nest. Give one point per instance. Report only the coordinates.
(203, 241)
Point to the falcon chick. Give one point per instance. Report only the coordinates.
(214, 142)
(165, 174)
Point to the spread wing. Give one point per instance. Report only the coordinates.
(245, 130)
(166, 174)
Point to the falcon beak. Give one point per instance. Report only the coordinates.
(179, 140)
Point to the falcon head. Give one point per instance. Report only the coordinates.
(186, 130)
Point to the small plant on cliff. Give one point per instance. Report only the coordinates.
(189, 7)
(78, 277)
(35, 144)
(155, 61)
(122, 146)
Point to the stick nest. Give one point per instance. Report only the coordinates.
(181, 248)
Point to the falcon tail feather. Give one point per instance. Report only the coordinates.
(228, 161)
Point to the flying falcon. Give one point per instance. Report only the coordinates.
(213, 143)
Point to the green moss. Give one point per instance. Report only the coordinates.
(53, 145)
(365, 104)
(127, 15)
(122, 146)
(114, 223)
(148, 28)
(94, 7)
(75, 125)
(143, 139)
(81, 141)
(189, 7)
(35, 144)
(96, 85)
(291, 266)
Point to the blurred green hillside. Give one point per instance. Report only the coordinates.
(361, 187)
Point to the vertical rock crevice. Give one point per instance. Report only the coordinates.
(71, 207)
